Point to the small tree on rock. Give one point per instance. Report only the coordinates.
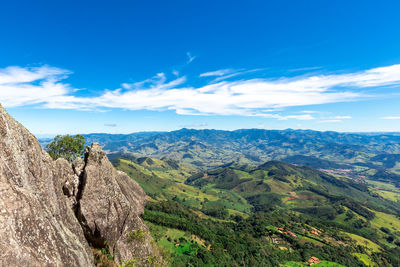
(66, 146)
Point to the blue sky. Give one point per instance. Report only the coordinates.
(127, 66)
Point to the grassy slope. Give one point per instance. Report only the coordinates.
(234, 190)
(374, 156)
(292, 195)
(373, 247)
(161, 181)
(365, 259)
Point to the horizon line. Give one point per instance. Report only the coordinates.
(211, 129)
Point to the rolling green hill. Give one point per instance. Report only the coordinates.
(362, 156)
(267, 215)
(294, 184)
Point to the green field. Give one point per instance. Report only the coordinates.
(373, 247)
(173, 240)
(393, 196)
(215, 217)
(365, 259)
(386, 220)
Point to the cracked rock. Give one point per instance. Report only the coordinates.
(51, 212)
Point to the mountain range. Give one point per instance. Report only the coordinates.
(257, 197)
(376, 156)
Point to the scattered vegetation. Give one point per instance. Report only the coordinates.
(273, 214)
(136, 235)
(66, 146)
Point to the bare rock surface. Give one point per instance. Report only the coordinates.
(109, 207)
(37, 226)
(52, 212)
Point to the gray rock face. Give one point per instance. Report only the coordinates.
(37, 226)
(68, 179)
(109, 207)
(51, 212)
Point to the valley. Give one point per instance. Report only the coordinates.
(200, 133)
(273, 214)
(265, 197)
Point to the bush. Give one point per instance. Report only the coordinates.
(66, 146)
(136, 235)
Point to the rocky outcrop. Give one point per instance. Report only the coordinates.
(52, 212)
(109, 205)
(37, 226)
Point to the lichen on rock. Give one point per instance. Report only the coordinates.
(109, 207)
(53, 212)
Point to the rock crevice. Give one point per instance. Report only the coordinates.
(52, 212)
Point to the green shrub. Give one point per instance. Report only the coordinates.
(137, 235)
(66, 146)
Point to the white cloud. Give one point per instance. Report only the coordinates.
(27, 86)
(309, 111)
(225, 74)
(391, 118)
(190, 57)
(217, 73)
(175, 72)
(329, 121)
(343, 117)
(43, 86)
(298, 117)
(159, 81)
(284, 117)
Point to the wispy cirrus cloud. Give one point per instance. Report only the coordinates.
(343, 117)
(159, 82)
(302, 117)
(391, 118)
(44, 86)
(217, 73)
(310, 112)
(225, 74)
(335, 119)
(190, 57)
(329, 121)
